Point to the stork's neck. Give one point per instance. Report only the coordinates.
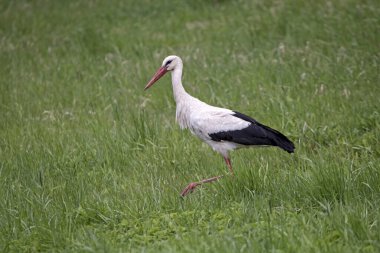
(178, 90)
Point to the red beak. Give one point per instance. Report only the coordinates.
(160, 72)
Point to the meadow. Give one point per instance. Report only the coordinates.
(89, 162)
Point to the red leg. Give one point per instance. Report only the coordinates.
(191, 187)
(228, 162)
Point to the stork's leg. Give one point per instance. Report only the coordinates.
(191, 187)
(228, 162)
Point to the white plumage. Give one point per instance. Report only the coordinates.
(221, 128)
(202, 120)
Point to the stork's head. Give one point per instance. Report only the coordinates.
(170, 63)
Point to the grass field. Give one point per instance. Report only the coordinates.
(91, 163)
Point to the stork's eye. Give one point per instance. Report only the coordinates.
(168, 62)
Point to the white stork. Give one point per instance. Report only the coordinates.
(223, 129)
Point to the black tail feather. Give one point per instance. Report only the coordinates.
(278, 139)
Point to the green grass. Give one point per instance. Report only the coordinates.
(91, 163)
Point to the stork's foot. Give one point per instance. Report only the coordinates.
(189, 189)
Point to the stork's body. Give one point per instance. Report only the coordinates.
(223, 129)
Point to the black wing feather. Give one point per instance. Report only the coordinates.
(255, 134)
